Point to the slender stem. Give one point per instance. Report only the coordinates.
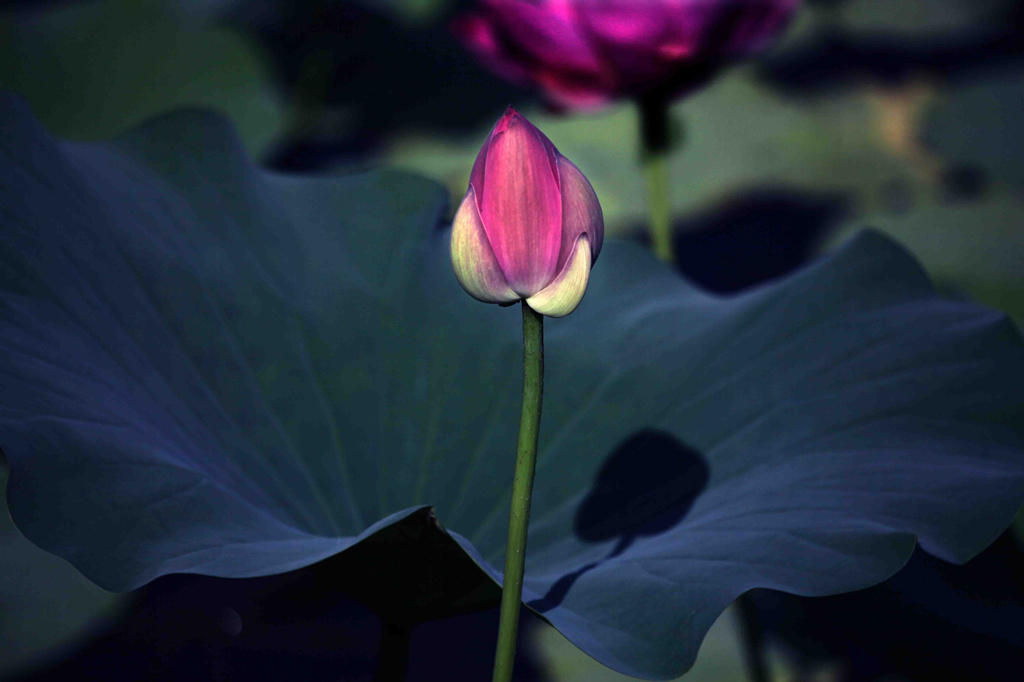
(522, 489)
(655, 134)
(311, 88)
(750, 636)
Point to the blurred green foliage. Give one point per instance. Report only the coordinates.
(718, 660)
(736, 134)
(45, 604)
(915, 17)
(93, 70)
(890, 146)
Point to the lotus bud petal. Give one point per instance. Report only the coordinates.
(530, 226)
(475, 265)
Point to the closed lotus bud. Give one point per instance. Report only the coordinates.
(584, 53)
(530, 226)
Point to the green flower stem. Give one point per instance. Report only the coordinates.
(655, 134)
(522, 489)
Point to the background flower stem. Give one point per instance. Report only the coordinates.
(750, 638)
(522, 488)
(655, 137)
(393, 653)
(658, 139)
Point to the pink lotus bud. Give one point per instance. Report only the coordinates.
(530, 226)
(584, 53)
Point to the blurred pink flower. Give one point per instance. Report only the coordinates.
(530, 226)
(585, 53)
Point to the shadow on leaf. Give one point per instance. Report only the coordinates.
(645, 487)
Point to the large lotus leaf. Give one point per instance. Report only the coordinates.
(212, 369)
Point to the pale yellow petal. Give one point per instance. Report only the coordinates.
(561, 297)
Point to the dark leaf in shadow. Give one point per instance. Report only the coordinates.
(28, 6)
(323, 622)
(441, 582)
(931, 621)
(963, 183)
(382, 75)
(311, 152)
(834, 59)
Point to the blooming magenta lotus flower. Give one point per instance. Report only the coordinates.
(530, 226)
(584, 53)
